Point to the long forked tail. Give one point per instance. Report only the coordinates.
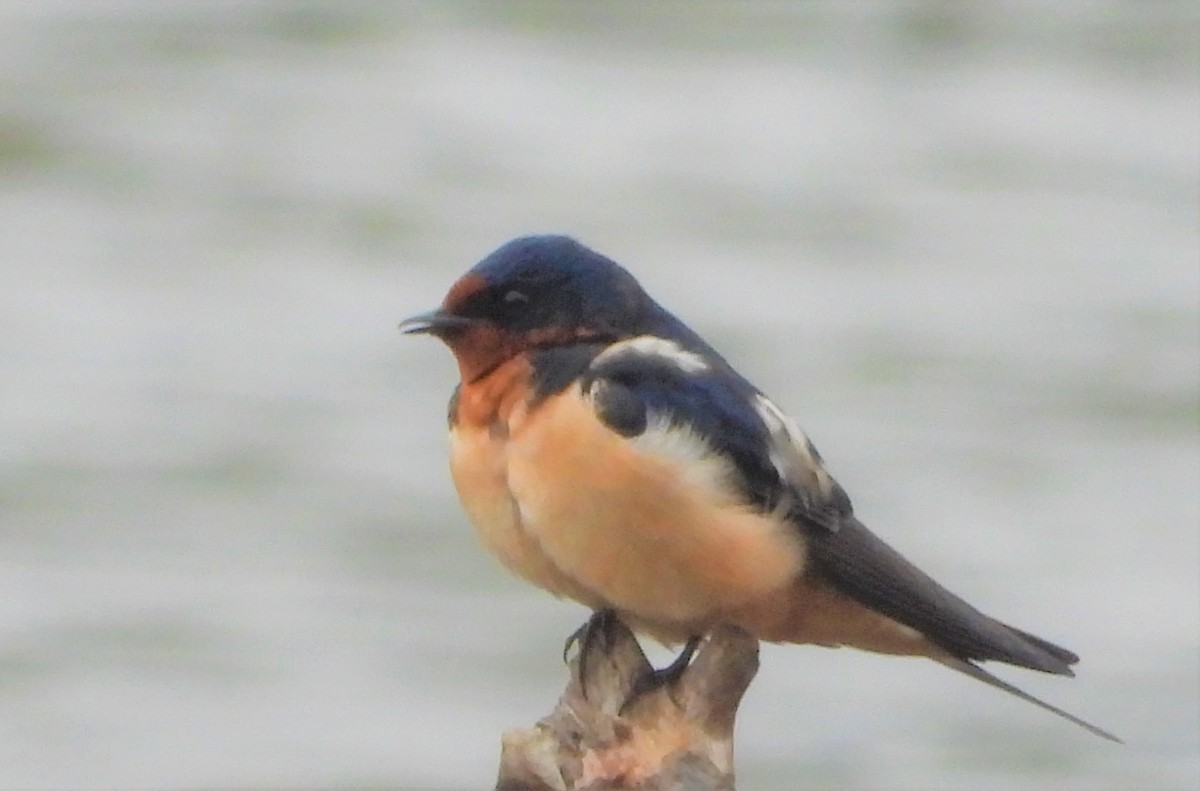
(976, 672)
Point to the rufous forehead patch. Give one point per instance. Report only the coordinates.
(466, 287)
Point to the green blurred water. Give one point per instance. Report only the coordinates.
(959, 242)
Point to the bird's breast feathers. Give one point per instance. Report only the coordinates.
(612, 486)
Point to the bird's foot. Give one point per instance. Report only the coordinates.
(596, 632)
(662, 677)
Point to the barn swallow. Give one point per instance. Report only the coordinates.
(606, 453)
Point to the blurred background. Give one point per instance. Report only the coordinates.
(959, 241)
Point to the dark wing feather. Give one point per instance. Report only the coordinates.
(861, 565)
(714, 404)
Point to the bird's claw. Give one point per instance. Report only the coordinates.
(662, 677)
(588, 636)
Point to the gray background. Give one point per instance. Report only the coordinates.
(958, 241)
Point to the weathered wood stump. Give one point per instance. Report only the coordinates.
(679, 736)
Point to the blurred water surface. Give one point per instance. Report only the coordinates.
(958, 241)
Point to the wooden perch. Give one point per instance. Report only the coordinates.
(679, 736)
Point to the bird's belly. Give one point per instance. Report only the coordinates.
(629, 525)
(478, 465)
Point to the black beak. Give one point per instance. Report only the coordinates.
(435, 322)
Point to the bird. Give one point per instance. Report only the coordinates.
(606, 453)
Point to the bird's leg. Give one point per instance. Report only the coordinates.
(597, 627)
(657, 679)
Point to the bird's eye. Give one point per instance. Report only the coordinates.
(513, 297)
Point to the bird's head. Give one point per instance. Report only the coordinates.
(534, 292)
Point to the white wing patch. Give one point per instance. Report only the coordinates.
(792, 455)
(701, 465)
(653, 346)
